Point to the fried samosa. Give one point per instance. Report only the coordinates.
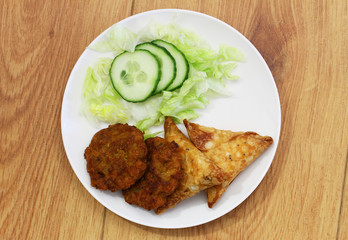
(231, 151)
(199, 172)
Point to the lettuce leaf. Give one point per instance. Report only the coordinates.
(209, 71)
(101, 100)
(117, 40)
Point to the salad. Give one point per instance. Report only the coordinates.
(172, 82)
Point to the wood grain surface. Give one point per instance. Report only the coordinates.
(304, 194)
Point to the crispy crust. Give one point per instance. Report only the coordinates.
(207, 138)
(116, 157)
(199, 171)
(231, 151)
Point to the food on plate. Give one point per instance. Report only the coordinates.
(153, 67)
(206, 138)
(158, 173)
(124, 88)
(181, 64)
(167, 65)
(161, 178)
(116, 157)
(199, 171)
(135, 75)
(231, 151)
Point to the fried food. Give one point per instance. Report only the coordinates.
(231, 151)
(199, 171)
(116, 157)
(207, 138)
(162, 177)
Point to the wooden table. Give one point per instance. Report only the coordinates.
(304, 194)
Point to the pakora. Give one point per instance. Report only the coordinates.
(161, 178)
(116, 157)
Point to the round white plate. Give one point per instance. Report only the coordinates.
(254, 106)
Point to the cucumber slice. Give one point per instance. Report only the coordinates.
(135, 75)
(182, 66)
(167, 64)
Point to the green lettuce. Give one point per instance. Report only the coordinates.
(100, 99)
(117, 40)
(200, 55)
(209, 71)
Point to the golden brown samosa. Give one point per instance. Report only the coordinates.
(199, 171)
(231, 151)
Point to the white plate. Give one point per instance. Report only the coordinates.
(253, 107)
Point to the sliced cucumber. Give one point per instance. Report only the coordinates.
(167, 64)
(182, 66)
(135, 75)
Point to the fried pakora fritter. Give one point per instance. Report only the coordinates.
(162, 177)
(116, 157)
